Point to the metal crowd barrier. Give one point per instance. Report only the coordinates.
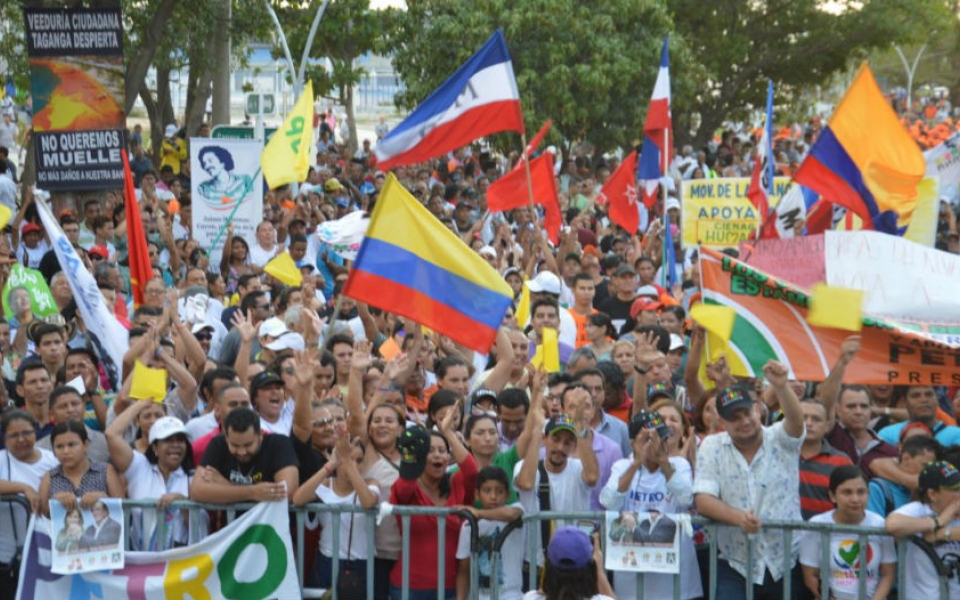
(300, 514)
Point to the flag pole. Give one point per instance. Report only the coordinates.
(525, 157)
(666, 216)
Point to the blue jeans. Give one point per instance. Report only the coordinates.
(324, 568)
(397, 594)
(731, 585)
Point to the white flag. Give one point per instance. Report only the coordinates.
(345, 235)
(110, 338)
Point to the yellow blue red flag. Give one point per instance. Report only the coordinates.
(865, 160)
(411, 265)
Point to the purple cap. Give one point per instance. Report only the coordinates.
(570, 548)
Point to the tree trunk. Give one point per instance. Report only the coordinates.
(156, 129)
(164, 99)
(353, 143)
(28, 171)
(139, 63)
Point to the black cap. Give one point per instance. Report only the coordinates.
(731, 399)
(414, 445)
(648, 420)
(939, 474)
(262, 380)
(624, 269)
(483, 395)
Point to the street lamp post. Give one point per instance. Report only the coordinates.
(911, 70)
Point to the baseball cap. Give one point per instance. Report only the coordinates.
(200, 326)
(367, 188)
(730, 399)
(643, 303)
(99, 250)
(560, 422)
(170, 131)
(332, 185)
(288, 341)
(624, 269)
(676, 342)
(31, 228)
(648, 291)
(165, 427)
(569, 549)
(414, 445)
(273, 327)
(487, 251)
(939, 474)
(671, 203)
(648, 419)
(262, 380)
(545, 281)
(483, 395)
(660, 390)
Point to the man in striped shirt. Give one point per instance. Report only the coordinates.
(817, 460)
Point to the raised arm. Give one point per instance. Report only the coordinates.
(645, 355)
(776, 373)
(536, 416)
(302, 427)
(356, 416)
(121, 454)
(500, 374)
(829, 392)
(247, 332)
(591, 468)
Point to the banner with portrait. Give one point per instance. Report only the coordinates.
(642, 542)
(77, 86)
(226, 180)
(87, 540)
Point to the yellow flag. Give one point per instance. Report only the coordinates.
(523, 307)
(551, 350)
(718, 320)
(148, 383)
(5, 215)
(839, 308)
(286, 159)
(284, 269)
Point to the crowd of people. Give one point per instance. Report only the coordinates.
(300, 394)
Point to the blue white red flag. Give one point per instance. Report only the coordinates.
(657, 133)
(761, 181)
(481, 98)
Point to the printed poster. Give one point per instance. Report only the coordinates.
(226, 175)
(716, 213)
(87, 540)
(77, 86)
(645, 542)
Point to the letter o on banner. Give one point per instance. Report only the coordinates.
(273, 573)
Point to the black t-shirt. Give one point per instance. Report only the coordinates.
(601, 293)
(310, 460)
(617, 309)
(276, 453)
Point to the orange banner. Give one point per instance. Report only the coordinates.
(771, 324)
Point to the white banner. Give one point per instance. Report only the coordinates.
(903, 280)
(251, 558)
(87, 540)
(943, 163)
(642, 542)
(225, 172)
(109, 337)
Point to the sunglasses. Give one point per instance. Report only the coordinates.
(203, 337)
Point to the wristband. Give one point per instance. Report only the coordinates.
(936, 523)
(641, 370)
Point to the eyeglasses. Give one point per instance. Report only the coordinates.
(323, 422)
(21, 435)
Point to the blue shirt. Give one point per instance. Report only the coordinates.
(878, 499)
(328, 275)
(948, 435)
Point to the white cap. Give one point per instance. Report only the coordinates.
(648, 291)
(487, 250)
(171, 130)
(671, 203)
(676, 342)
(165, 427)
(545, 281)
(288, 341)
(273, 327)
(200, 326)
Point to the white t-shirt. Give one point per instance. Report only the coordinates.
(845, 556)
(510, 568)
(144, 480)
(284, 423)
(358, 544)
(568, 492)
(259, 256)
(922, 582)
(198, 427)
(12, 469)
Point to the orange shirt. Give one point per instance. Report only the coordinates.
(581, 321)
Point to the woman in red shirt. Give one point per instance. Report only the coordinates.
(424, 481)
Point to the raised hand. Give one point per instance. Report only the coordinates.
(646, 352)
(776, 373)
(244, 326)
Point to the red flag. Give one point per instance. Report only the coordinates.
(511, 191)
(820, 217)
(620, 193)
(140, 270)
(535, 142)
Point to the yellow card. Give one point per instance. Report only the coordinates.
(148, 383)
(551, 350)
(835, 307)
(283, 268)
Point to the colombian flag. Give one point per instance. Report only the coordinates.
(865, 160)
(413, 266)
